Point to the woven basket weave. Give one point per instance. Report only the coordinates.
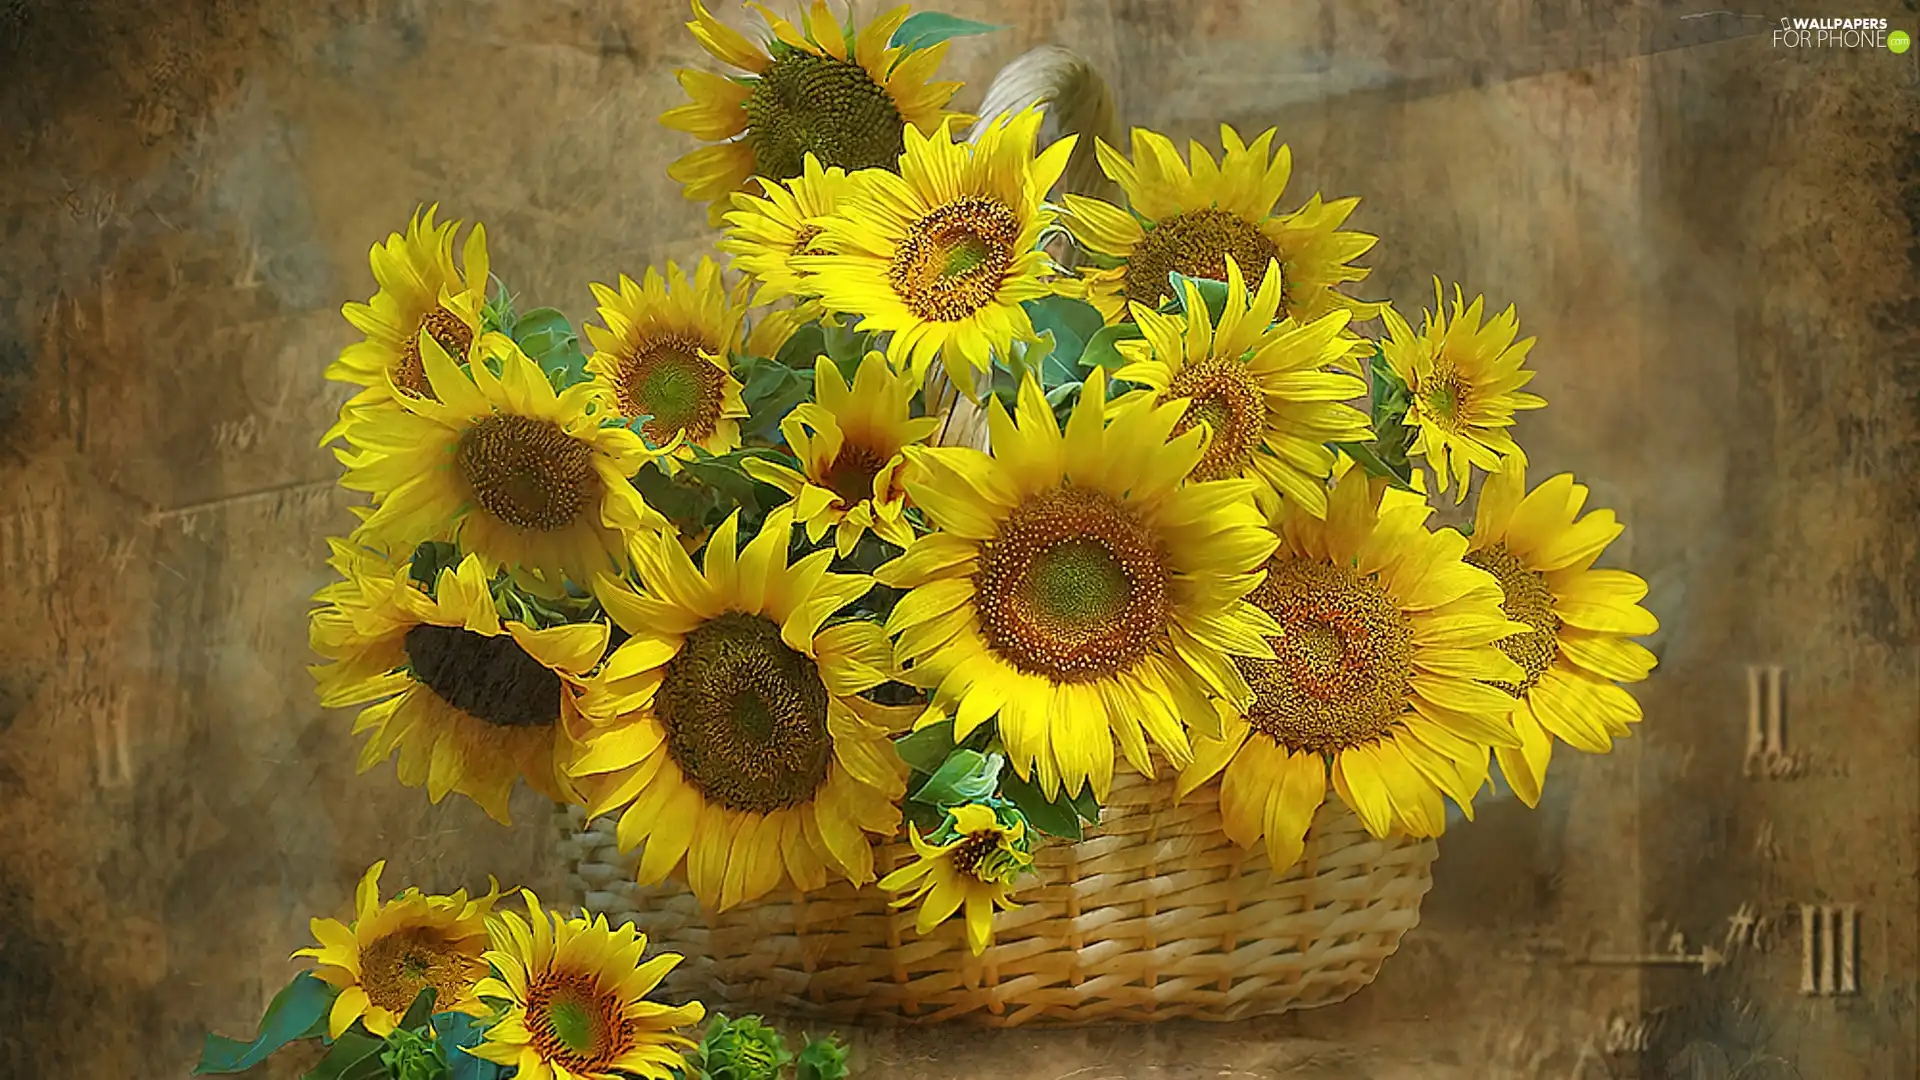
(1154, 916)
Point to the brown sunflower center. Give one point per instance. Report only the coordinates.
(1342, 671)
(803, 238)
(1227, 400)
(746, 715)
(488, 678)
(668, 380)
(395, 968)
(973, 850)
(1072, 587)
(805, 103)
(952, 261)
(1445, 394)
(527, 472)
(575, 1023)
(445, 328)
(1529, 600)
(1196, 243)
(853, 471)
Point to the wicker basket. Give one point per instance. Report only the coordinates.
(1154, 916)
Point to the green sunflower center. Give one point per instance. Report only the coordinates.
(452, 335)
(1228, 401)
(1342, 670)
(746, 715)
(574, 1023)
(1445, 395)
(668, 380)
(852, 473)
(805, 103)
(489, 678)
(528, 472)
(1196, 243)
(1073, 586)
(1529, 600)
(395, 968)
(953, 260)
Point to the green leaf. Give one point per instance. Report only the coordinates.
(1073, 324)
(1400, 476)
(355, 1056)
(418, 1012)
(823, 1059)
(1057, 817)
(429, 559)
(926, 749)
(1101, 348)
(1212, 293)
(802, 348)
(1087, 806)
(770, 390)
(456, 1034)
(548, 338)
(966, 776)
(298, 1011)
(727, 476)
(411, 1055)
(927, 28)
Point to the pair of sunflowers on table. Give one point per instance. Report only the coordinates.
(1177, 558)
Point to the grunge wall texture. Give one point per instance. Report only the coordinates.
(1714, 240)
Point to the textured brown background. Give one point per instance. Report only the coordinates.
(1714, 240)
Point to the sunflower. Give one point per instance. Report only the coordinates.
(1382, 671)
(848, 441)
(1191, 219)
(941, 255)
(730, 724)
(765, 231)
(1078, 588)
(1261, 389)
(575, 998)
(1541, 550)
(1464, 382)
(665, 353)
(421, 291)
(391, 951)
(841, 94)
(973, 861)
(502, 466)
(470, 702)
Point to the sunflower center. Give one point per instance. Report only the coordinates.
(803, 238)
(489, 678)
(1528, 599)
(1342, 671)
(852, 473)
(574, 1023)
(528, 473)
(668, 380)
(1445, 395)
(746, 715)
(445, 328)
(806, 103)
(1072, 587)
(395, 968)
(1196, 243)
(1228, 401)
(952, 261)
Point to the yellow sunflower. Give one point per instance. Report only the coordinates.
(1261, 389)
(504, 467)
(1464, 382)
(841, 94)
(941, 255)
(470, 702)
(730, 725)
(1191, 218)
(421, 291)
(1541, 550)
(764, 232)
(666, 352)
(1382, 672)
(391, 951)
(848, 441)
(1079, 587)
(575, 994)
(974, 867)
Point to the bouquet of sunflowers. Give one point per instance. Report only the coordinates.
(946, 498)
